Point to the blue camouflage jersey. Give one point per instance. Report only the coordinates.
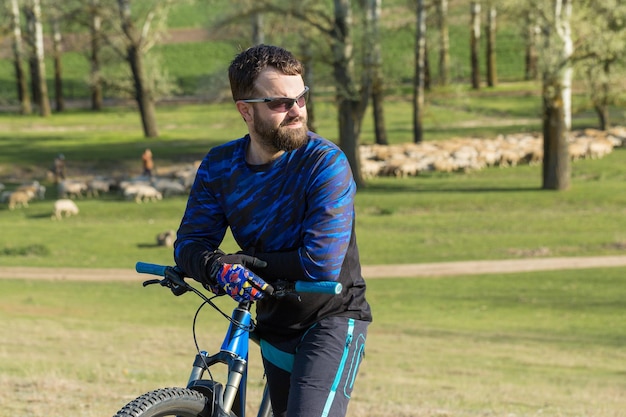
(297, 213)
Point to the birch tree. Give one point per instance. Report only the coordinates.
(38, 64)
(556, 70)
(18, 59)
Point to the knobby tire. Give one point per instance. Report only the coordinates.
(168, 402)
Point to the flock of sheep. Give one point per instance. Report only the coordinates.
(139, 189)
(376, 160)
(469, 154)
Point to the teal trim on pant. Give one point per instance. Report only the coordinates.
(342, 366)
(281, 359)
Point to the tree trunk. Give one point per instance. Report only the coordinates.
(492, 75)
(348, 101)
(444, 42)
(44, 103)
(57, 49)
(475, 44)
(532, 34)
(18, 57)
(557, 99)
(418, 82)
(601, 103)
(378, 89)
(143, 94)
(556, 161)
(134, 57)
(96, 36)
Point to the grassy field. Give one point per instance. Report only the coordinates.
(490, 214)
(524, 344)
(540, 344)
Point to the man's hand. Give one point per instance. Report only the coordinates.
(238, 282)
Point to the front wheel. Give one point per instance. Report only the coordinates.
(168, 402)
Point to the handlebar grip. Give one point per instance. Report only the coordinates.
(322, 287)
(147, 268)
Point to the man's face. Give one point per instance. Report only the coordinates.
(279, 130)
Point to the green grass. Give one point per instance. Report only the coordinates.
(525, 344)
(548, 343)
(496, 213)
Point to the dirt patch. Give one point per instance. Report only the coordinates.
(437, 269)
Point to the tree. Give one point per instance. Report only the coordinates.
(95, 26)
(492, 74)
(372, 10)
(601, 48)
(18, 58)
(57, 51)
(531, 34)
(444, 42)
(136, 43)
(38, 66)
(475, 43)
(418, 81)
(350, 103)
(556, 69)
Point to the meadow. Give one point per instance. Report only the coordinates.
(520, 344)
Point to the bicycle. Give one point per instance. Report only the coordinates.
(208, 397)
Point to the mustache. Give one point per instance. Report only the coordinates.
(297, 119)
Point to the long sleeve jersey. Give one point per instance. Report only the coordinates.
(297, 212)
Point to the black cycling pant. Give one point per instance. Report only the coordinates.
(313, 375)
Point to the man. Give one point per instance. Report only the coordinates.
(287, 195)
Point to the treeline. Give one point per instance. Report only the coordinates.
(347, 48)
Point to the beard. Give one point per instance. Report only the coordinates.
(281, 138)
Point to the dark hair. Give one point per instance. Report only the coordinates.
(246, 67)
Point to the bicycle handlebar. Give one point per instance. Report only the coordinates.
(320, 287)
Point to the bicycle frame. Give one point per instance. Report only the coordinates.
(234, 354)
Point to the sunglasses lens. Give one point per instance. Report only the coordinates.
(281, 104)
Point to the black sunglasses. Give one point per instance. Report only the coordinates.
(282, 104)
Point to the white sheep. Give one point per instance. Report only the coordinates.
(20, 198)
(99, 185)
(65, 207)
(37, 189)
(169, 187)
(142, 192)
(71, 188)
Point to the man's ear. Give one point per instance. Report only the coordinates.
(245, 110)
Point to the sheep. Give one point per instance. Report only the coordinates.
(71, 188)
(37, 189)
(169, 187)
(20, 197)
(99, 185)
(166, 238)
(148, 194)
(142, 192)
(65, 207)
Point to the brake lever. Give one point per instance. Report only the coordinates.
(285, 289)
(151, 281)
